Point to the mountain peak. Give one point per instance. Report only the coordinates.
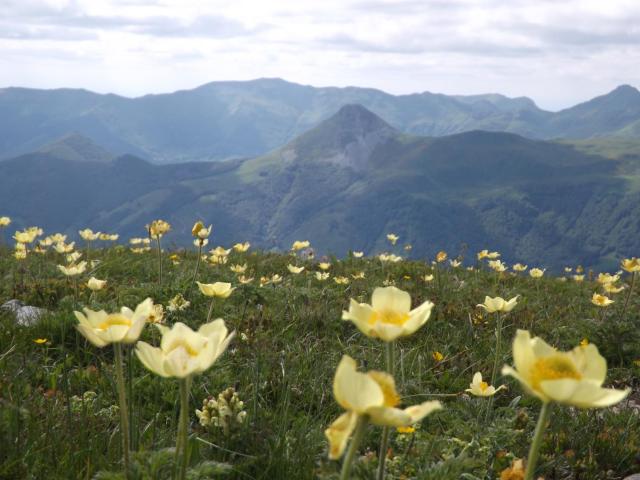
(347, 138)
(76, 147)
(625, 90)
(356, 118)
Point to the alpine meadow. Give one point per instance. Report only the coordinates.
(373, 269)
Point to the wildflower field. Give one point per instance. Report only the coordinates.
(278, 389)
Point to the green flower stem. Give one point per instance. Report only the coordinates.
(534, 450)
(210, 309)
(124, 416)
(353, 447)
(496, 361)
(183, 427)
(159, 260)
(195, 273)
(389, 353)
(626, 301)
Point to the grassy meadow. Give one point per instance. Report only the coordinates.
(59, 416)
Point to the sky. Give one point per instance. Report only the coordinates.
(556, 52)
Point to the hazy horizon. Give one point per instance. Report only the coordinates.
(557, 54)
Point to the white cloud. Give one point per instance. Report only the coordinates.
(558, 53)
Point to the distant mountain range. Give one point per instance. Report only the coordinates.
(223, 120)
(350, 180)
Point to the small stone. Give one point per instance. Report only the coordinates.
(26, 315)
(635, 476)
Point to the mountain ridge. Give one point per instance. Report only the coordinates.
(240, 119)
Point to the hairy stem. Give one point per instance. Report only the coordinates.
(534, 450)
(124, 416)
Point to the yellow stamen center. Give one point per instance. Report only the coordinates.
(113, 320)
(553, 367)
(389, 316)
(483, 386)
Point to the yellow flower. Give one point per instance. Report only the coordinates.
(572, 378)
(26, 236)
(88, 234)
(264, 281)
(275, 278)
(217, 259)
(295, 270)
(40, 341)
(498, 304)
(244, 280)
(389, 257)
(200, 242)
(601, 300)
(514, 472)
(196, 228)
(200, 232)
(341, 280)
(482, 254)
(578, 278)
(5, 221)
(611, 288)
(584, 342)
(358, 275)
(322, 276)
(157, 314)
(95, 284)
(493, 255)
(441, 256)
(300, 245)
(405, 430)
(324, 266)
(518, 267)
(389, 316)
(393, 238)
(220, 251)
(497, 265)
(73, 270)
(241, 247)
(358, 254)
(604, 278)
(183, 352)
(372, 394)
(238, 268)
(73, 257)
(437, 356)
(217, 289)
(178, 303)
(482, 389)
(428, 278)
(158, 228)
(455, 263)
(536, 272)
(102, 328)
(61, 247)
(631, 265)
(579, 269)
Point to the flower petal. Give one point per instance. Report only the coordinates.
(339, 432)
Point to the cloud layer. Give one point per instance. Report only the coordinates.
(558, 53)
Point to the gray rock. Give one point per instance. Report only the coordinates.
(26, 315)
(635, 476)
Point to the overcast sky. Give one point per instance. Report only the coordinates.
(556, 52)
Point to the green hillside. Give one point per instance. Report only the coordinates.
(350, 180)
